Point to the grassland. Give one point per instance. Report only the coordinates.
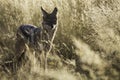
(86, 46)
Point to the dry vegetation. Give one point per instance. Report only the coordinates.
(86, 46)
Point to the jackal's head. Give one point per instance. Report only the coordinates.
(49, 19)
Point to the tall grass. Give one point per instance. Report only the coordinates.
(87, 39)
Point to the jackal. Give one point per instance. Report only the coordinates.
(37, 38)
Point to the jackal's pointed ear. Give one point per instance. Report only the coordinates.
(44, 12)
(54, 11)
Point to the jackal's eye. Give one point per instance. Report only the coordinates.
(50, 21)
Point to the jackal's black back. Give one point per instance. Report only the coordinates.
(27, 29)
(30, 33)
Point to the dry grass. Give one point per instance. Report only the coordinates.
(87, 39)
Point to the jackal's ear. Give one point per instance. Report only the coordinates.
(54, 11)
(44, 12)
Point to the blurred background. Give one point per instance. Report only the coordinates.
(86, 46)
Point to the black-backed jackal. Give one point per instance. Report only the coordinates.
(37, 38)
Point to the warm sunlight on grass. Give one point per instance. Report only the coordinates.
(86, 46)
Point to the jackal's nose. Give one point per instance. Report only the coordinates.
(53, 26)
